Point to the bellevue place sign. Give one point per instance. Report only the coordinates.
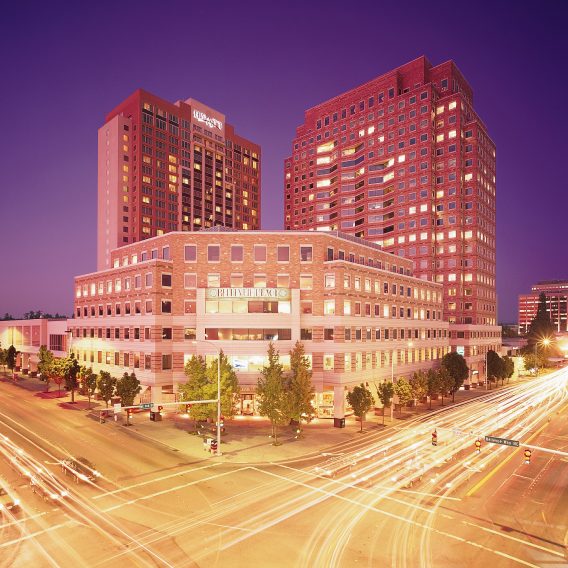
(248, 293)
(211, 122)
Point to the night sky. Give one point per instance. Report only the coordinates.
(65, 65)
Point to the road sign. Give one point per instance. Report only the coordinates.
(117, 407)
(502, 441)
(145, 405)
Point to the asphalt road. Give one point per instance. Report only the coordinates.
(387, 499)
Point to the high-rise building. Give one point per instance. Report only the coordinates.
(405, 162)
(171, 167)
(556, 292)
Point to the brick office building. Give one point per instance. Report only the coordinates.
(360, 313)
(404, 161)
(171, 167)
(556, 292)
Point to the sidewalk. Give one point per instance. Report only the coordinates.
(247, 439)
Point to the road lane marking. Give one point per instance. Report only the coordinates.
(325, 494)
(157, 479)
(170, 490)
(509, 537)
(33, 535)
(500, 465)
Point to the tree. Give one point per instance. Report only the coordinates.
(457, 368)
(106, 385)
(403, 391)
(446, 382)
(88, 382)
(361, 401)
(57, 374)
(202, 385)
(495, 366)
(45, 364)
(299, 388)
(229, 386)
(433, 385)
(196, 388)
(541, 326)
(419, 384)
(71, 370)
(3, 358)
(271, 392)
(385, 391)
(509, 365)
(127, 388)
(11, 360)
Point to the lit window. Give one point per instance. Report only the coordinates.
(306, 282)
(328, 308)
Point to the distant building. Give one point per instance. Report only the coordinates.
(556, 292)
(171, 167)
(27, 336)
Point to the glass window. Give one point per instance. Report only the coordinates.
(283, 281)
(237, 281)
(213, 253)
(167, 280)
(346, 307)
(166, 306)
(189, 307)
(283, 253)
(190, 253)
(328, 307)
(166, 362)
(260, 280)
(189, 333)
(148, 280)
(328, 333)
(190, 280)
(166, 333)
(213, 281)
(306, 282)
(237, 253)
(306, 306)
(306, 253)
(330, 280)
(166, 253)
(260, 253)
(328, 362)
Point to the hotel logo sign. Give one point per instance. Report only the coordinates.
(249, 293)
(211, 122)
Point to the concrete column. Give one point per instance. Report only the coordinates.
(338, 401)
(156, 394)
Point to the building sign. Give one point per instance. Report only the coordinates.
(211, 122)
(249, 293)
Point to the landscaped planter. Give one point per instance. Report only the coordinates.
(33, 374)
(25, 371)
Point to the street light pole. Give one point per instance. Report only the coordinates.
(392, 381)
(218, 453)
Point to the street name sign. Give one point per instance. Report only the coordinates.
(502, 441)
(145, 405)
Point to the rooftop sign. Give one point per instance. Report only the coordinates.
(211, 122)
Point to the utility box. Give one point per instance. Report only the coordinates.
(339, 422)
(155, 416)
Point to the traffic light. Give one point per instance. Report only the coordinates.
(160, 408)
(528, 455)
(478, 445)
(434, 438)
(187, 407)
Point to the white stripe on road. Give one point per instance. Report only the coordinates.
(163, 478)
(33, 535)
(170, 490)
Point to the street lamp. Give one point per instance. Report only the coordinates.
(545, 343)
(218, 453)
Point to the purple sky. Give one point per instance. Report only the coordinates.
(262, 64)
